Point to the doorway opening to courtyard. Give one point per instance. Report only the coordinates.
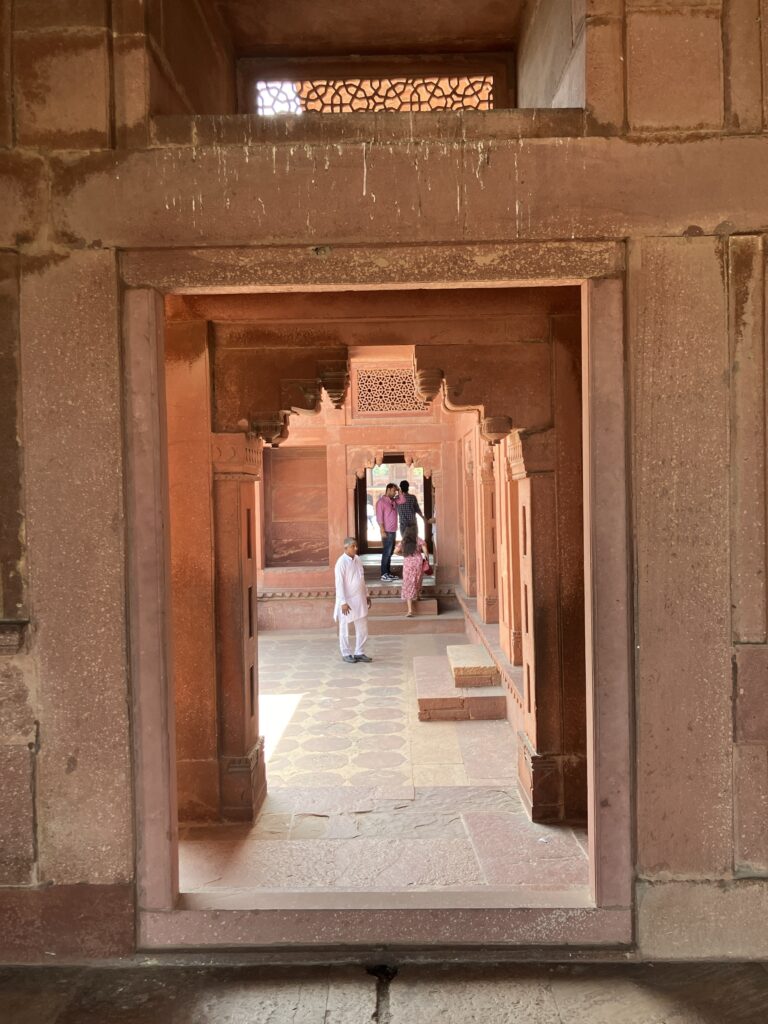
(457, 768)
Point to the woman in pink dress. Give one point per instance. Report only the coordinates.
(413, 552)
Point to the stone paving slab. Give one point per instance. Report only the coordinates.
(430, 994)
(611, 994)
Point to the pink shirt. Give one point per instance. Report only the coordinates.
(386, 513)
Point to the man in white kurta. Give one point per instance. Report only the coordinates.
(352, 602)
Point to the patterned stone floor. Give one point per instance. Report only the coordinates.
(364, 796)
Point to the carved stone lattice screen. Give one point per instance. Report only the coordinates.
(386, 390)
(399, 93)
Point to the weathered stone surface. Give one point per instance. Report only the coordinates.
(440, 996)
(43, 14)
(484, 191)
(742, 56)
(73, 460)
(17, 715)
(17, 812)
(700, 920)
(12, 590)
(679, 352)
(751, 713)
(69, 922)
(6, 86)
(319, 996)
(235, 269)
(746, 284)
(604, 73)
(750, 781)
(674, 69)
(22, 201)
(62, 89)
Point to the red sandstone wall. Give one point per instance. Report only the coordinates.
(688, 190)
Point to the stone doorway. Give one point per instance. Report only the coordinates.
(189, 905)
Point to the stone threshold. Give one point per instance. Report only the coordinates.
(417, 926)
(445, 898)
(487, 634)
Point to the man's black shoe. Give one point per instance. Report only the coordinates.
(362, 657)
(350, 658)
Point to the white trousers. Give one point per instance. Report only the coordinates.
(361, 635)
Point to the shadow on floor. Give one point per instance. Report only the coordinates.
(447, 994)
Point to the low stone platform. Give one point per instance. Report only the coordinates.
(472, 665)
(440, 699)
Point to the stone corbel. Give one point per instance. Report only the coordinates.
(237, 455)
(427, 460)
(530, 453)
(334, 379)
(300, 395)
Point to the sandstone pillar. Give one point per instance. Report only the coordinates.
(468, 554)
(237, 470)
(545, 759)
(487, 582)
(187, 374)
(508, 559)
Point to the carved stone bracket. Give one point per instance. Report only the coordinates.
(334, 378)
(528, 454)
(238, 455)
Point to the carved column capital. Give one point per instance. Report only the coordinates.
(495, 428)
(428, 383)
(529, 454)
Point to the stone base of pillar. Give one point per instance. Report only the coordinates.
(488, 608)
(243, 784)
(553, 787)
(512, 645)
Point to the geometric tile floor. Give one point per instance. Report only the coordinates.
(364, 796)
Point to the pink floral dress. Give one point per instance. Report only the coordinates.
(412, 574)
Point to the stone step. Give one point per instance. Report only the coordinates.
(394, 625)
(440, 700)
(472, 665)
(396, 606)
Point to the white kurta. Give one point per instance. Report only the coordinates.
(350, 589)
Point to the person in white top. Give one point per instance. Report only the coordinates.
(352, 602)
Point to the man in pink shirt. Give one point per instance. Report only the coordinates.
(386, 517)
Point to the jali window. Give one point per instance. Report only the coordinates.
(358, 85)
